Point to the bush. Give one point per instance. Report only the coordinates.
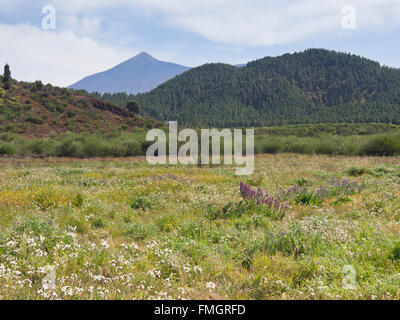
(299, 147)
(97, 223)
(94, 147)
(8, 137)
(116, 150)
(272, 147)
(69, 148)
(78, 200)
(133, 148)
(309, 199)
(34, 119)
(395, 255)
(325, 148)
(356, 172)
(7, 149)
(302, 182)
(141, 203)
(39, 147)
(382, 146)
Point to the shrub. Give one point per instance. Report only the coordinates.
(395, 255)
(341, 200)
(302, 182)
(97, 223)
(69, 148)
(78, 200)
(132, 148)
(310, 199)
(230, 210)
(38, 147)
(381, 170)
(94, 147)
(299, 147)
(7, 149)
(356, 172)
(141, 204)
(272, 147)
(34, 119)
(325, 148)
(8, 137)
(47, 199)
(116, 150)
(382, 146)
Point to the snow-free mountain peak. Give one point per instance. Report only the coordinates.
(140, 74)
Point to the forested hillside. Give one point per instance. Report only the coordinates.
(315, 86)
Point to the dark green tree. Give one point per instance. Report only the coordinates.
(133, 106)
(7, 76)
(38, 85)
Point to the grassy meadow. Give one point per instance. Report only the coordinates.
(123, 229)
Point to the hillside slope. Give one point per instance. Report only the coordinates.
(141, 73)
(315, 86)
(37, 110)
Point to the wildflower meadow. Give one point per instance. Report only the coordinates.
(125, 229)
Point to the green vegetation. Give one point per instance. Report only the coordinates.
(374, 145)
(7, 77)
(133, 107)
(117, 144)
(130, 230)
(38, 110)
(384, 141)
(315, 86)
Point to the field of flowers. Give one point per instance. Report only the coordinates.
(300, 227)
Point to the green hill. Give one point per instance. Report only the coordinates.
(315, 86)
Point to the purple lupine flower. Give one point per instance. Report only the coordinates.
(261, 199)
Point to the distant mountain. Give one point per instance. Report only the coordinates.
(314, 86)
(139, 74)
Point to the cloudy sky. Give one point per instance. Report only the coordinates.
(94, 35)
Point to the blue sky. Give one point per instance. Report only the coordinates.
(94, 35)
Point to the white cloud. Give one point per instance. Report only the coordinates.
(241, 22)
(81, 26)
(255, 22)
(267, 22)
(58, 58)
